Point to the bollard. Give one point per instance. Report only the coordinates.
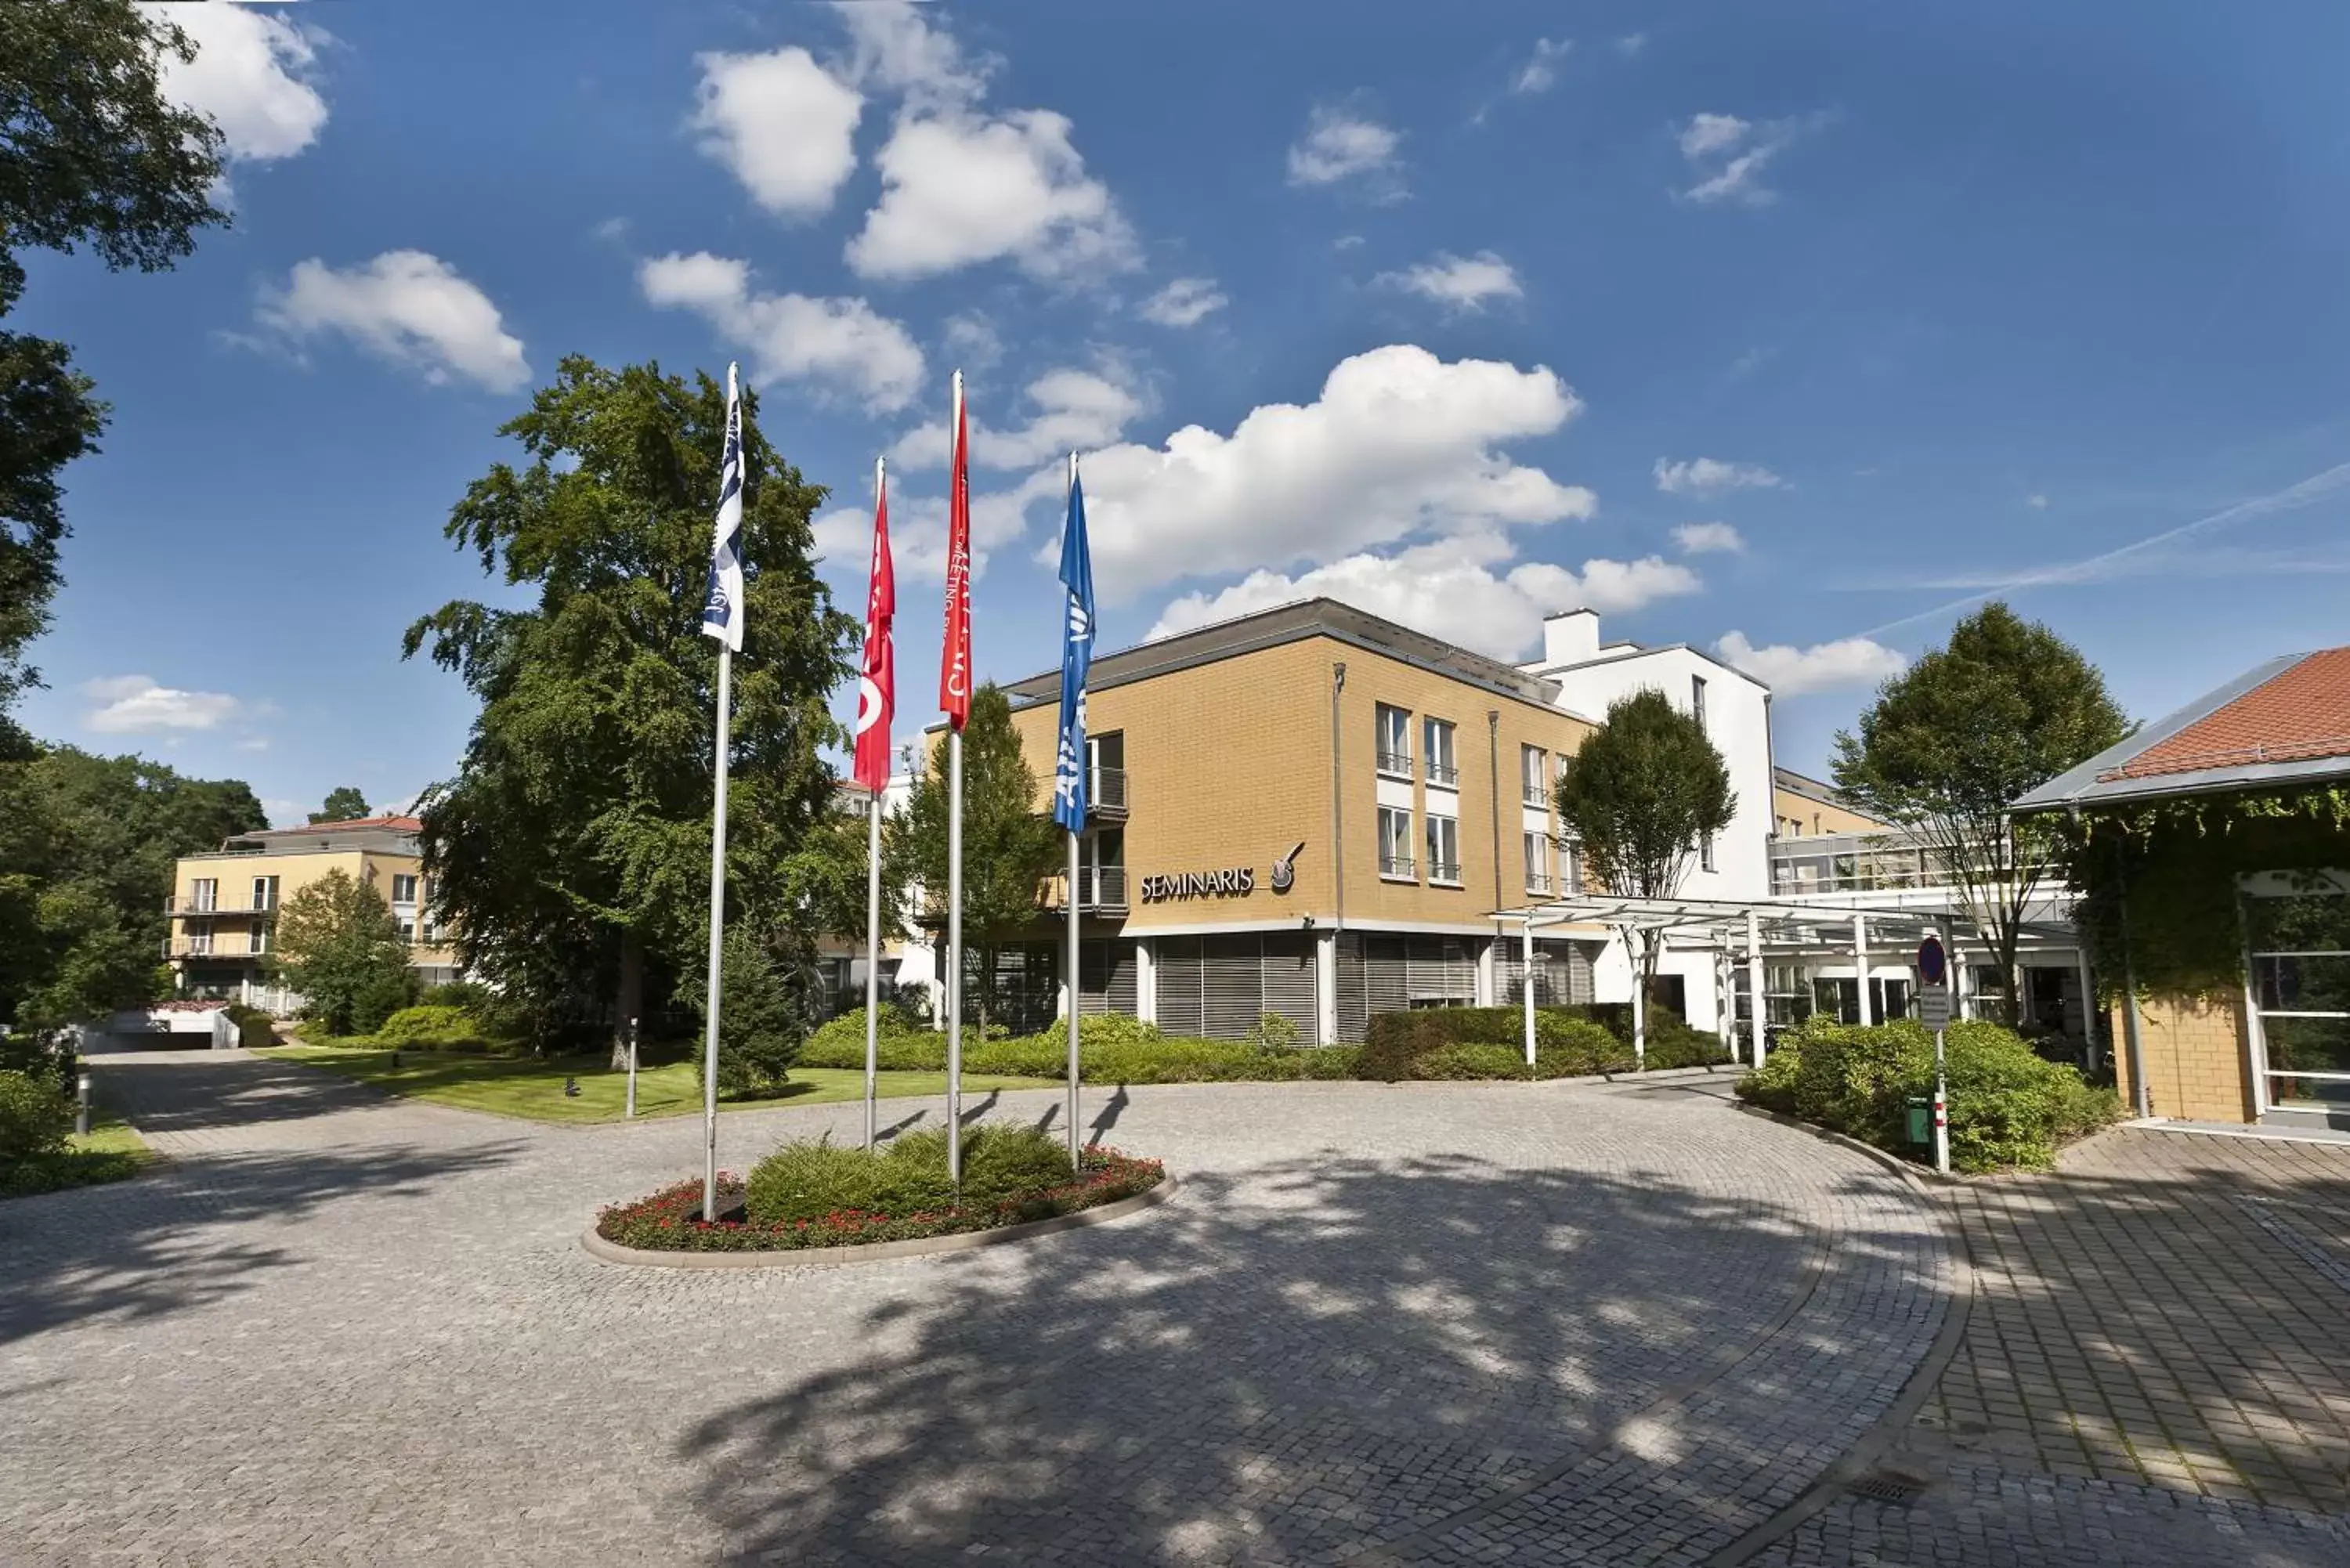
(82, 1110)
(571, 1088)
(632, 1110)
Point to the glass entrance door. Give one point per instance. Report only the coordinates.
(2297, 957)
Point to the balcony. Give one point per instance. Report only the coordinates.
(1444, 871)
(1106, 793)
(224, 944)
(1402, 868)
(178, 907)
(1396, 764)
(1443, 775)
(1538, 884)
(1102, 887)
(1845, 864)
(1535, 796)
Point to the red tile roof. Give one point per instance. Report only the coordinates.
(2302, 712)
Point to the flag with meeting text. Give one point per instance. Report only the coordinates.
(954, 658)
(1069, 802)
(722, 605)
(876, 683)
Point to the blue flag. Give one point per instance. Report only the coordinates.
(1076, 658)
(722, 606)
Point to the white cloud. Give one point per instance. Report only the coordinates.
(959, 188)
(918, 528)
(783, 124)
(1075, 409)
(135, 704)
(896, 49)
(250, 75)
(1540, 73)
(404, 307)
(1848, 661)
(1631, 44)
(1729, 156)
(2038, 503)
(1341, 145)
(1698, 538)
(1459, 282)
(1397, 443)
(840, 345)
(1185, 302)
(972, 340)
(1456, 589)
(1708, 475)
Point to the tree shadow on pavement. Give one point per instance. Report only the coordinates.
(192, 1093)
(1298, 1361)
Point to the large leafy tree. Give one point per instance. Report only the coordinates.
(338, 945)
(1639, 797)
(1009, 846)
(87, 848)
(343, 804)
(571, 853)
(1949, 743)
(90, 154)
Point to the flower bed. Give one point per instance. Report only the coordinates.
(670, 1219)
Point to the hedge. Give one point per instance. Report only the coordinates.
(1569, 1042)
(34, 1118)
(2010, 1109)
(1115, 1049)
(440, 1027)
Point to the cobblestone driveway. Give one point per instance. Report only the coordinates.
(1416, 1324)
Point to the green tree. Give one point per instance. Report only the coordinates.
(1639, 797)
(90, 153)
(338, 945)
(761, 1022)
(572, 851)
(2003, 708)
(344, 803)
(1009, 845)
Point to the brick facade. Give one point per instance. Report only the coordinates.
(2198, 1059)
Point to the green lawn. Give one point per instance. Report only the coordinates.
(534, 1089)
(111, 1152)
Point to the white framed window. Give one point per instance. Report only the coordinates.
(203, 894)
(1697, 700)
(403, 889)
(265, 896)
(1436, 737)
(257, 937)
(1538, 862)
(1443, 849)
(1705, 852)
(407, 930)
(1533, 775)
(200, 941)
(1570, 868)
(1395, 844)
(1394, 742)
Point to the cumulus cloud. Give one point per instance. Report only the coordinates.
(1540, 73)
(896, 49)
(1458, 590)
(1397, 443)
(1728, 156)
(918, 527)
(1079, 409)
(1459, 282)
(840, 346)
(1709, 475)
(960, 188)
(1698, 538)
(252, 75)
(781, 123)
(1631, 44)
(1848, 661)
(136, 704)
(407, 307)
(1339, 144)
(2037, 501)
(1186, 302)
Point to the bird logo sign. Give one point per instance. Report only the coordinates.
(1285, 874)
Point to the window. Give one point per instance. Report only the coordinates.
(1394, 843)
(204, 895)
(200, 941)
(1106, 758)
(1537, 863)
(256, 938)
(1533, 775)
(1570, 868)
(1443, 848)
(1394, 741)
(1705, 852)
(407, 930)
(403, 889)
(1697, 700)
(265, 896)
(429, 931)
(1437, 734)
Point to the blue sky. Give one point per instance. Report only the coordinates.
(1780, 329)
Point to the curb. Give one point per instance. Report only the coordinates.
(1922, 1177)
(596, 1247)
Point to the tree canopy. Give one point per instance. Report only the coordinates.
(571, 853)
(2002, 708)
(90, 154)
(1642, 794)
(343, 804)
(338, 945)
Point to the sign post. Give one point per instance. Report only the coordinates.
(1934, 1012)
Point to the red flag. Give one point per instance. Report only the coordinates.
(954, 658)
(877, 686)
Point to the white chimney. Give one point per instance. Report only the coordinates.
(1571, 636)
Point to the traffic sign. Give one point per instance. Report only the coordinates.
(1934, 1006)
(1931, 965)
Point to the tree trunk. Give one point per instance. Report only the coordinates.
(627, 997)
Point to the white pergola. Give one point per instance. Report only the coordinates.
(1763, 926)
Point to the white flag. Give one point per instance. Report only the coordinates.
(722, 608)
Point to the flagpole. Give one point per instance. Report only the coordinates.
(873, 904)
(717, 935)
(1076, 1146)
(954, 908)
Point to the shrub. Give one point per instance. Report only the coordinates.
(1101, 1031)
(379, 996)
(438, 1027)
(1275, 1031)
(1001, 1163)
(904, 1043)
(1473, 1062)
(254, 1029)
(462, 993)
(1568, 1041)
(34, 1119)
(2009, 1107)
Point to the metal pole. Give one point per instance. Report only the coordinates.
(632, 1110)
(717, 935)
(1942, 1108)
(1527, 930)
(872, 962)
(81, 1107)
(1860, 965)
(1756, 1011)
(1074, 1147)
(1640, 1004)
(2088, 1004)
(954, 958)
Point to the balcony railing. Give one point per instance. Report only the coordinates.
(1396, 763)
(1538, 882)
(1106, 793)
(177, 907)
(1444, 871)
(1101, 887)
(1444, 774)
(1397, 866)
(1862, 863)
(1535, 796)
(226, 944)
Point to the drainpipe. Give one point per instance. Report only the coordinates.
(1494, 802)
(2138, 1090)
(1338, 792)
